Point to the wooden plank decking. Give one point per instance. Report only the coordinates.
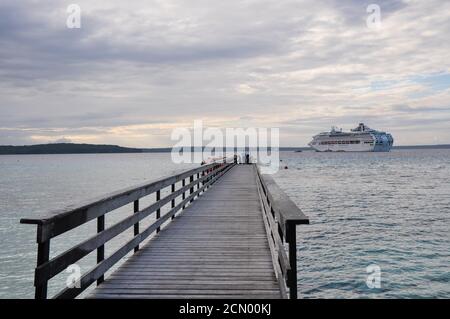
(216, 248)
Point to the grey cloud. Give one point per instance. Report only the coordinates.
(43, 51)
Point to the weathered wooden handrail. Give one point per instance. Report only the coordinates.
(281, 216)
(60, 222)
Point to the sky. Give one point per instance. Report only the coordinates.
(136, 70)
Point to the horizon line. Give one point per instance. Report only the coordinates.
(195, 146)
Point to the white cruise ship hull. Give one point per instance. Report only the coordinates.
(351, 148)
(344, 148)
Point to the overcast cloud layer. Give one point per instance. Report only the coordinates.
(137, 69)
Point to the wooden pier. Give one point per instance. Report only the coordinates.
(230, 232)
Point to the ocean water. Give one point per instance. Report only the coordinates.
(391, 210)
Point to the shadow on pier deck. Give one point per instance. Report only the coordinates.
(229, 241)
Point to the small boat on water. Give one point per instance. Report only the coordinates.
(360, 139)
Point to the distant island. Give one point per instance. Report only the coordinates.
(66, 148)
(73, 148)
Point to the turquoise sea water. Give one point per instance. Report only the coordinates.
(388, 209)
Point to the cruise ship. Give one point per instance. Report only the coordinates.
(360, 139)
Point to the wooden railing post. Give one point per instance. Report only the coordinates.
(183, 183)
(173, 200)
(198, 184)
(291, 238)
(158, 211)
(191, 190)
(43, 256)
(203, 174)
(101, 249)
(136, 226)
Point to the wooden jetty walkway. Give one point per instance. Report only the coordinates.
(233, 236)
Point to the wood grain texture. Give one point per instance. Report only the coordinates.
(216, 248)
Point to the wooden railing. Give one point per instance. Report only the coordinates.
(281, 216)
(61, 222)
